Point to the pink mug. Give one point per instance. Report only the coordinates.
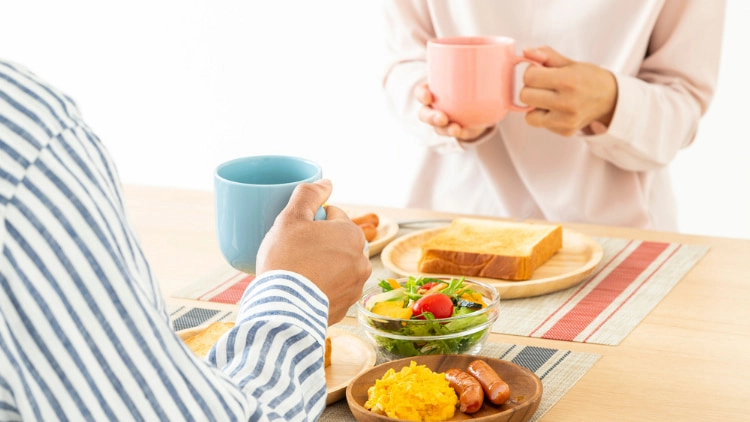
(471, 78)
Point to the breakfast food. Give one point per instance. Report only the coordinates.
(400, 316)
(369, 224)
(470, 393)
(415, 393)
(495, 389)
(490, 248)
(327, 353)
(204, 340)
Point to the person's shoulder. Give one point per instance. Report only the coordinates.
(35, 103)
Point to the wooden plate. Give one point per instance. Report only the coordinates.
(577, 258)
(350, 356)
(525, 388)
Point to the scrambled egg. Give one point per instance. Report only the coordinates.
(415, 393)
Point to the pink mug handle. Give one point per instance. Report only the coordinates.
(513, 105)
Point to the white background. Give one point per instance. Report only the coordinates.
(176, 87)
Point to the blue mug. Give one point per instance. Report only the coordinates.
(249, 193)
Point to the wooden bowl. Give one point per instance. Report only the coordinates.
(525, 388)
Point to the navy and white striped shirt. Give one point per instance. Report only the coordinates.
(84, 334)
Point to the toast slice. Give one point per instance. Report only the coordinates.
(202, 342)
(490, 248)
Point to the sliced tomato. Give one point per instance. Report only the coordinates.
(438, 304)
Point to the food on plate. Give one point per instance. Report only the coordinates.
(470, 393)
(369, 231)
(327, 354)
(369, 224)
(495, 389)
(370, 218)
(427, 316)
(205, 339)
(490, 248)
(414, 393)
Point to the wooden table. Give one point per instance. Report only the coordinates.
(688, 360)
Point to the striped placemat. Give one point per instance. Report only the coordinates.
(184, 317)
(632, 278)
(558, 369)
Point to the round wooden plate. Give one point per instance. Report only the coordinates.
(525, 388)
(350, 356)
(577, 258)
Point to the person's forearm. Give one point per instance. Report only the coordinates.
(280, 329)
(658, 110)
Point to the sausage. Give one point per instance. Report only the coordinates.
(369, 230)
(371, 218)
(495, 389)
(470, 395)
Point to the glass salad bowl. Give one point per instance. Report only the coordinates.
(418, 316)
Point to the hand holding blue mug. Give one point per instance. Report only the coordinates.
(328, 253)
(249, 193)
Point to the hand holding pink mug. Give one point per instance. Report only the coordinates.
(471, 78)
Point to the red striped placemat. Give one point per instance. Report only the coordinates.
(632, 278)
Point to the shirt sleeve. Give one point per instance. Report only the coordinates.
(660, 101)
(658, 110)
(409, 29)
(280, 329)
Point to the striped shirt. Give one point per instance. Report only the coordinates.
(84, 332)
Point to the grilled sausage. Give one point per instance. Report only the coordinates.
(371, 218)
(470, 395)
(369, 230)
(495, 389)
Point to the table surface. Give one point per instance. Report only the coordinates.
(689, 359)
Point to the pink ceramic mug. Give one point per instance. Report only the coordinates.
(471, 78)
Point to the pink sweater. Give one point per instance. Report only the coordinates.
(665, 57)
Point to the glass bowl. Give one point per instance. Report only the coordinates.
(398, 337)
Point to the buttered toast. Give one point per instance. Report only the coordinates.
(490, 248)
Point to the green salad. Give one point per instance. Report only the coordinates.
(426, 316)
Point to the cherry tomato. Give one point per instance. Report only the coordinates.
(438, 304)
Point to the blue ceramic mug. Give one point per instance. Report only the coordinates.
(249, 193)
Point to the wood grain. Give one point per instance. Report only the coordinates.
(577, 258)
(350, 356)
(697, 337)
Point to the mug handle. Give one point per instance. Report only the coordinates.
(513, 105)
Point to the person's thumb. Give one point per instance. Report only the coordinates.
(307, 199)
(546, 56)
